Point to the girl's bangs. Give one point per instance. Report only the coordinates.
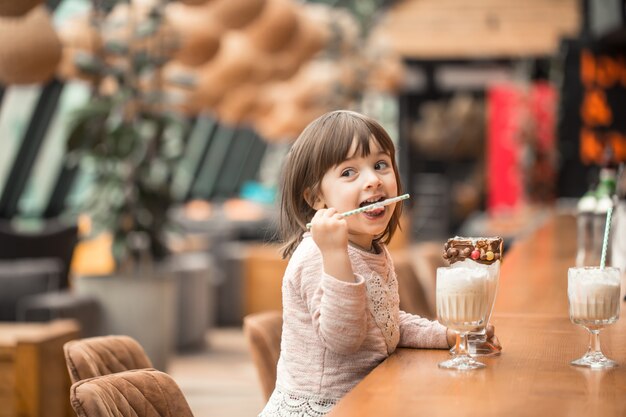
(362, 135)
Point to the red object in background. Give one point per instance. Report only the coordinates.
(520, 145)
(505, 104)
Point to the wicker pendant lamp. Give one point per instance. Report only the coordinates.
(268, 95)
(232, 66)
(387, 74)
(198, 33)
(275, 27)
(195, 2)
(237, 14)
(197, 47)
(15, 8)
(312, 35)
(314, 83)
(238, 106)
(301, 118)
(30, 49)
(287, 121)
(345, 28)
(275, 104)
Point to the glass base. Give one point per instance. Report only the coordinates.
(461, 363)
(594, 360)
(477, 345)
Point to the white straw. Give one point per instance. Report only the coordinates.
(371, 207)
(605, 242)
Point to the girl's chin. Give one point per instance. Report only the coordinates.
(372, 231)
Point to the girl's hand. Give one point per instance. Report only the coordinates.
(491, 337)
(451, 336)
(330, 233)
(329, 230)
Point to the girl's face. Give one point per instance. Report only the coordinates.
(356, 182)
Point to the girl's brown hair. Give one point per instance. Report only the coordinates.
(322, 145)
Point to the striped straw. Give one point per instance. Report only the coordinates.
(605, 242)
(371, 207)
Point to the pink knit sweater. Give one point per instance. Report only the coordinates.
(335, 333)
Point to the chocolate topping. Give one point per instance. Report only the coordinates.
(484, 250)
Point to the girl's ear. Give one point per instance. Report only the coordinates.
(313, 200)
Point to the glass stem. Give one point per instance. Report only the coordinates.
(461, 344)
(594, 341)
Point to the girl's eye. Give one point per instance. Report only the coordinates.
(348, 172)
(381, 165)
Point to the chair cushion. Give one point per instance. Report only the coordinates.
(136, 393)
(97, 356)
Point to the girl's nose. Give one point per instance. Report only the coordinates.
(372, 179)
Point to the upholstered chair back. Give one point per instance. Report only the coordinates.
(263, 332)
(135, 393)
(103, 355)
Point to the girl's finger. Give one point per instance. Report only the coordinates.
(494, 341)
(330, 212)
(491, 330)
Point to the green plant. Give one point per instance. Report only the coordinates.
(132, 164)
(127, 141)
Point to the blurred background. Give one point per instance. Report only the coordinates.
(141, 143)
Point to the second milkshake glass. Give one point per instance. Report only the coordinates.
(594, 303)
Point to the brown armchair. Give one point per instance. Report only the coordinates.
(97, 356)
(263, 332)
(135, 393)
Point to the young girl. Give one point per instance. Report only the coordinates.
(340, 295)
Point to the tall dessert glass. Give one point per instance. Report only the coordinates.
(594, 303)
(483, 253)
(462, 306)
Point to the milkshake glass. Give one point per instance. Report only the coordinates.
(481, 253)
(594, 303)
(462, 306)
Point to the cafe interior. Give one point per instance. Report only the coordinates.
(141, 146)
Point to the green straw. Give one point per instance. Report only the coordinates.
(605, 242)
(372, 206)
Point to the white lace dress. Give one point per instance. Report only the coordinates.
(335, 333)
(285, 404)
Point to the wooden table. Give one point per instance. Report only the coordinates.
(34, 381)
(532, 376)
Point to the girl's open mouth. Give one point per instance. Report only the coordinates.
(376, 212)
(371, 201)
